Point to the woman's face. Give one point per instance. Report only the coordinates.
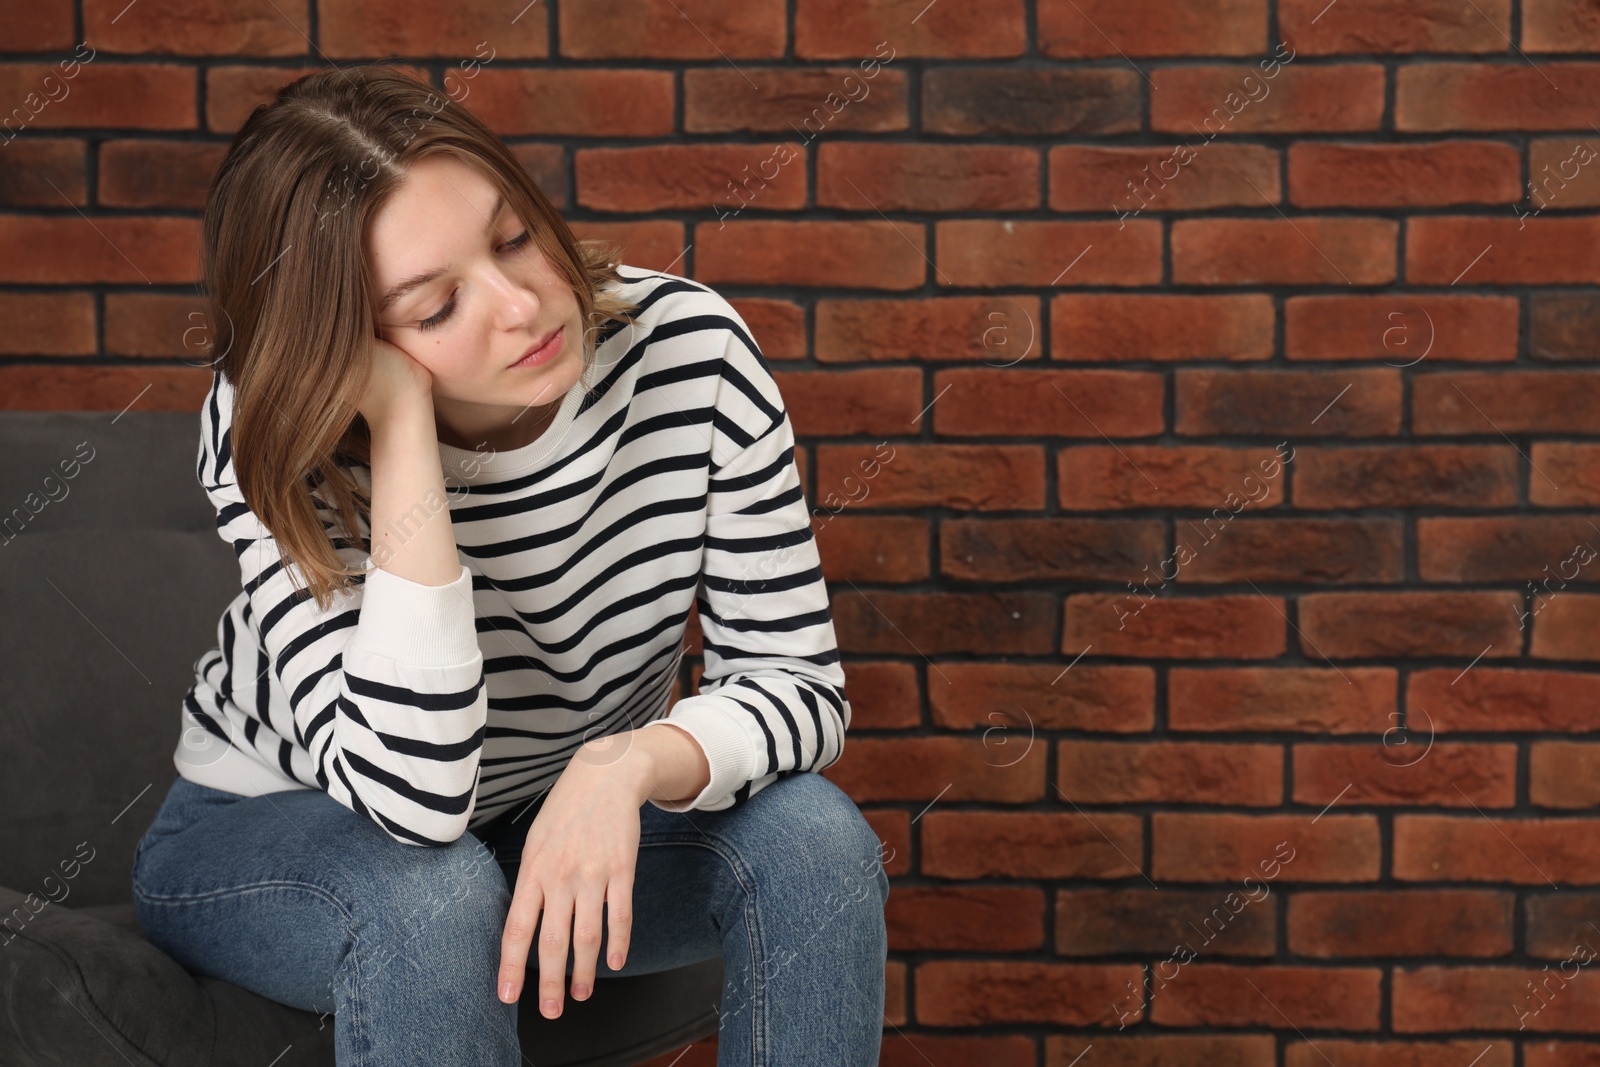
(493, 296)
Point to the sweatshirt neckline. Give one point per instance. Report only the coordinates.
(470, 465)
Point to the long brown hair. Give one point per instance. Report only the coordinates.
(288, 289)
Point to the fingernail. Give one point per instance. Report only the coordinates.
(505, 991)
(579, 992)
(550, 1009)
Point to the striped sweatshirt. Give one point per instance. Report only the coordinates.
(665, 481)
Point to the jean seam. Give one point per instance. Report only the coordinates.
(759, 1039)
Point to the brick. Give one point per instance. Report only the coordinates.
(1405, 769)
(1264, 849)
(1402, 624)
(1007, 252)
(943, 769)
(1561, 174)
(203, 27)
(47, 324)
(838, 29)
(723, 30)
(979, 993)
(1212, 101)
(1554, 26)
(1495, 403)
(1325, 174)
(862, 254)
(98, 93)
(1133, 919)
(54, 387)
(883, 695)
(232, 92)
(1432, 999)
(1493, 96)
(1308, 250)
(159, 324)
(1548, 250)
(43, 172)
(1477, 1052)
(1103, 477)
(1571, 474)
(1277, 699)
(1112, 327)
(1510, 548)
(991, 844)
(1296, 998)
(1011, 702)
(1393, 476)
(1014, 1050)
(348, 29)
(977, 101)
(1194, 627)
(1373, 26)
(1129, 181)
(1410, 922)
(157, 174)
(778, 326)
(722, 178)
(656, 244)
(1477, 848)
(1495, 699)
(1170, 772)
(1108, 28)
(44, 27)
(1009, 550)
(801, 101)
(1562, 325)
(880, 401)
(863, 176)
(1164, 1050)
(933, 623)
(1048, 402)
(1003, 329)
(574, 101)
(1294, 551)
(1401, 332)
(966, 477)
(1289, 403)
(893, 828)
(873, 548)
(67, 249)
(964, 919)
(1564, 774)
(1566, 628)
(1558, 921)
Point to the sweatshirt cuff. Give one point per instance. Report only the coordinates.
(421, 625)
(721, 727)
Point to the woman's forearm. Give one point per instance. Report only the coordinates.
(412, 535)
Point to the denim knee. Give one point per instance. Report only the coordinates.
(838, 842)
(440, 910)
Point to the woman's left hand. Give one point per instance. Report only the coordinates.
(580, 853)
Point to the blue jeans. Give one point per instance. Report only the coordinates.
(294, 896)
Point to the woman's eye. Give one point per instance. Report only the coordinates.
(438, 318)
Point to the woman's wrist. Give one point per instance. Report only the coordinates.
(660, 764)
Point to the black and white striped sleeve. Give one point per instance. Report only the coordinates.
(386, 687)
(771, 699)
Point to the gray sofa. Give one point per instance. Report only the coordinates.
(112, 579)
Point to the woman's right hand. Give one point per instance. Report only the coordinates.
(395, 379)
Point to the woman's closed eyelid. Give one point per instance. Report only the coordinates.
(441, 316)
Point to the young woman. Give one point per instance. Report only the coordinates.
(476, 473)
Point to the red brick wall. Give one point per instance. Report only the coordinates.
(1354, 711)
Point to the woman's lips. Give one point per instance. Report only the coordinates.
(545, 354)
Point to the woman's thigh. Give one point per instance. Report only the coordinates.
(278, 892)
(777, 871)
